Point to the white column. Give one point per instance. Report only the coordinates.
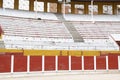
(107, 67)
(95, 63)
(36, 9)
(56, 63)
(43, 63)
(28, 64)
(48, 8)
(82, 63)
(12, 63)
(69, 63)
(64, 8)
(92, 11)
(119, 63)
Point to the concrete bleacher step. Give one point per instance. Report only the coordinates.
(75, 34)
(59, 17)
(2, 45)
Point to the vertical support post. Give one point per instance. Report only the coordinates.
(1, 4)
(45, 6)
(69, 63)
(107, 67)
(28, 64)
(92, 11)
(72, 8)
(114, 8)
(119, 63)
(58, 7)
(36, 10)
(82, 63)
(64, 9)
(43, 63)
(48, 7)
(31, 5)
(100, 8)
(12, 64)
(86, 8)
(56, 63)
(94, 63)
(16, 4)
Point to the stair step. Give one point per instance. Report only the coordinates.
(75, 34)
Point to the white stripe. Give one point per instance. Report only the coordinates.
(28, 64)
(12, 63)
(56, 63)
(119, 63)
(95, 63)
(107, 67)
(43, 60)
(69, 63)
(82, 63)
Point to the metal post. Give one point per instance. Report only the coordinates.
(28, 64)
(43, 63)
(56, 63)
(82, 63)
(69, 63)
(12, 63)
(95, 63)
(107, 67)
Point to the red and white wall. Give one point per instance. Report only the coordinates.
(20, 63)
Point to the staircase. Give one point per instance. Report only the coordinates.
(76, 36)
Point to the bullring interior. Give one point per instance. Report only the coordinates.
(59, 35)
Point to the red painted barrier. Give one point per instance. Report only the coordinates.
(88, 62)
(76, 63)
(20, 63)
(5, 63)
(63, 63)
(100, 62)
(36, 63)
(113, 61)
(49, 63)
